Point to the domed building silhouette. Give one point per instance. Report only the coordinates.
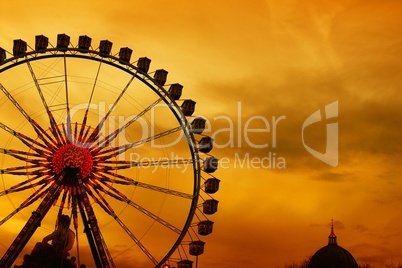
(332, 255)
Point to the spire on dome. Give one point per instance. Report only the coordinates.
(332, 236)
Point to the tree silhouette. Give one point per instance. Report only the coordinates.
(304, 263)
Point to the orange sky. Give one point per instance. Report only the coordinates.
(248, 61)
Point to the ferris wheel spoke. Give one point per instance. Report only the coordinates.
(42, 134)
(24, 170)
(75, 132)
(23, 156)
(85, 117)
(88, 215)
(111, 177)
(100, 200)
(95, 134)
(106, 207)
(68, 117)
(136, 240)
(115, 151)
(23, 185)
(108, 139)
(62, 202)
(29, 142)
(30, 200)
(126, 164)
(51, 194)
(113, 192)
(87, 131)
(79, 134)
(153, 216)
(53, 125)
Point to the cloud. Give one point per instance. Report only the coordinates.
(332, 176)
(378, 254)
(338, 225)
(360, 227)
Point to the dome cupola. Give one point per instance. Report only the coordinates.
(332, 255)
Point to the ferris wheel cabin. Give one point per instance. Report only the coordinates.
(63, 41)
(188, 107)
(84, 43)
(41, 42)
(205, 227)
(197, 248)
(211, 185)
(185, 264)
(175, 91)
(210, 206)
(160, 76)
(198, 125)
(143, 64)
(19, 48)
(205, 144)
(105, 47)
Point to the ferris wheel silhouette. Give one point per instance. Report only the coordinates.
(93, 135)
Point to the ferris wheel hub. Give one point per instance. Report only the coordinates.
(72, 156)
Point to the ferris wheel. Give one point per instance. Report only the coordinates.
(96, 136)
